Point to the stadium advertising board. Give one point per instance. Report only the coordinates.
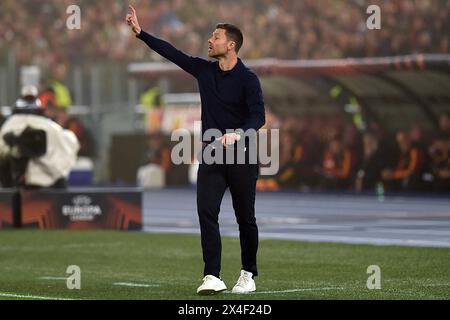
(82, 209)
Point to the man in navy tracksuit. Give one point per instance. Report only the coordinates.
(231, 100)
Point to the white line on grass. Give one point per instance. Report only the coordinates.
(53, 278)
(24, 296)
(122, 284)
(142, 285)
(295, 290)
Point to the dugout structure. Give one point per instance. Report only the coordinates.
(397, 92)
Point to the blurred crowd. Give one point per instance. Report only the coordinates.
(321, 153)
(285, 29)
(329, 153)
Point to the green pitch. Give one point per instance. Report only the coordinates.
(120, 265)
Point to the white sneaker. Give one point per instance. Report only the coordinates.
(211, 285)
(245, 283)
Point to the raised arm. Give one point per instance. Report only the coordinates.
(132, 20)
(192, 65)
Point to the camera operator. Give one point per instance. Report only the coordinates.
(35, 152)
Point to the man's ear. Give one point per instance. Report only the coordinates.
(232, 45)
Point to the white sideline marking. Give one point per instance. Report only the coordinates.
(123, 284)
(296, 290)
(23, 296)
(142, 285)
(53, 278)
(292, 290)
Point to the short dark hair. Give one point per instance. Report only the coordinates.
(233, 33)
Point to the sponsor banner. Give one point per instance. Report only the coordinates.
(82, 209)
(6, 209)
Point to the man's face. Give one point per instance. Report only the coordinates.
(218, 44)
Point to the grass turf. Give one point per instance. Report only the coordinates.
(171, 265)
